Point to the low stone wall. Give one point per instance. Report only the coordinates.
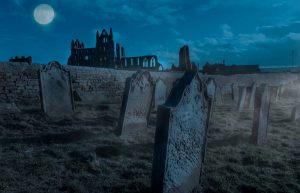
(271, 79)
(19, 83)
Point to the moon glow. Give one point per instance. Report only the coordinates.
(44, 14)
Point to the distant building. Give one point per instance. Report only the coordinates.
(222, 69)
(21, 59)
(103, 55)
(185, 63)
(184, 58)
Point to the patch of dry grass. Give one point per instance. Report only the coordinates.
(82, 154)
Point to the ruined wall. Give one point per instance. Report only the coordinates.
(100, 85)
(19, 83)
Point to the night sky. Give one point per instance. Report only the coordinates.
(265, 32)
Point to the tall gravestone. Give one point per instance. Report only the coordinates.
(273, 93)
(242, 98)
(277, 97)
(160, 93)
(136, 104)
(261, 115)
(8, 107)
(235, 92)
(218, 95)
(211, 87)
(56, 90)
(211, 91)
(295, 113)
(252, 95)
(180, 138)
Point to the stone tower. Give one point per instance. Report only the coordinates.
(184, 58)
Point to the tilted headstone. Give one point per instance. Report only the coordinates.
(242, 98)
(211, 91)
(235, 92)
(180, 138)
(282, 89)
(218, 95)
(273, 93)
(136, 104)
(56, 90)
(261, 115)
(211, 87)
(252, 95)
(226, 90)
(160, 93)
(277, 94)
(295, 113)
(9, 107)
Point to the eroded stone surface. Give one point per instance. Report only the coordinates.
(160, 93)
(218, 95)
(295, 113)
(242, 98)
(56, 90)
(252, 95)
(235, 92)
(181, 137)
(6, 108)
(211, 88)
(136, 105)
(261, 115)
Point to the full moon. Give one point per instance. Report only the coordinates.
(44, 14)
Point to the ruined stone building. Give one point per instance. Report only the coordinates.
(105, 55)
(184, 58)
(21, 59)
(185, 63)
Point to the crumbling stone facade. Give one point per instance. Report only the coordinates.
(100, 56)
(184, 58)
(185, 63)
(21, 59)
(105, 55)
(19, 83)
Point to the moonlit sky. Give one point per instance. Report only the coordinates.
(241, 32)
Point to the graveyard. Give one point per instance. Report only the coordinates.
(86, 130)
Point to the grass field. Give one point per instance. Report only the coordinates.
(82, 154)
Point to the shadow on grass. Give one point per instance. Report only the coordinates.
(59, 138)
(231, 141)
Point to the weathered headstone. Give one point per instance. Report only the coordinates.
(295, 113)
(273, 93)
(242, 98)
(218, 95)
(56, 90)
(211, 88)
(235, 92)
(160, 93)
(252, 95)
(180, 138)
(136, 104)
(9, 107)
(261, 115)
(211, 91)
(226, 90)
(277, 97)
